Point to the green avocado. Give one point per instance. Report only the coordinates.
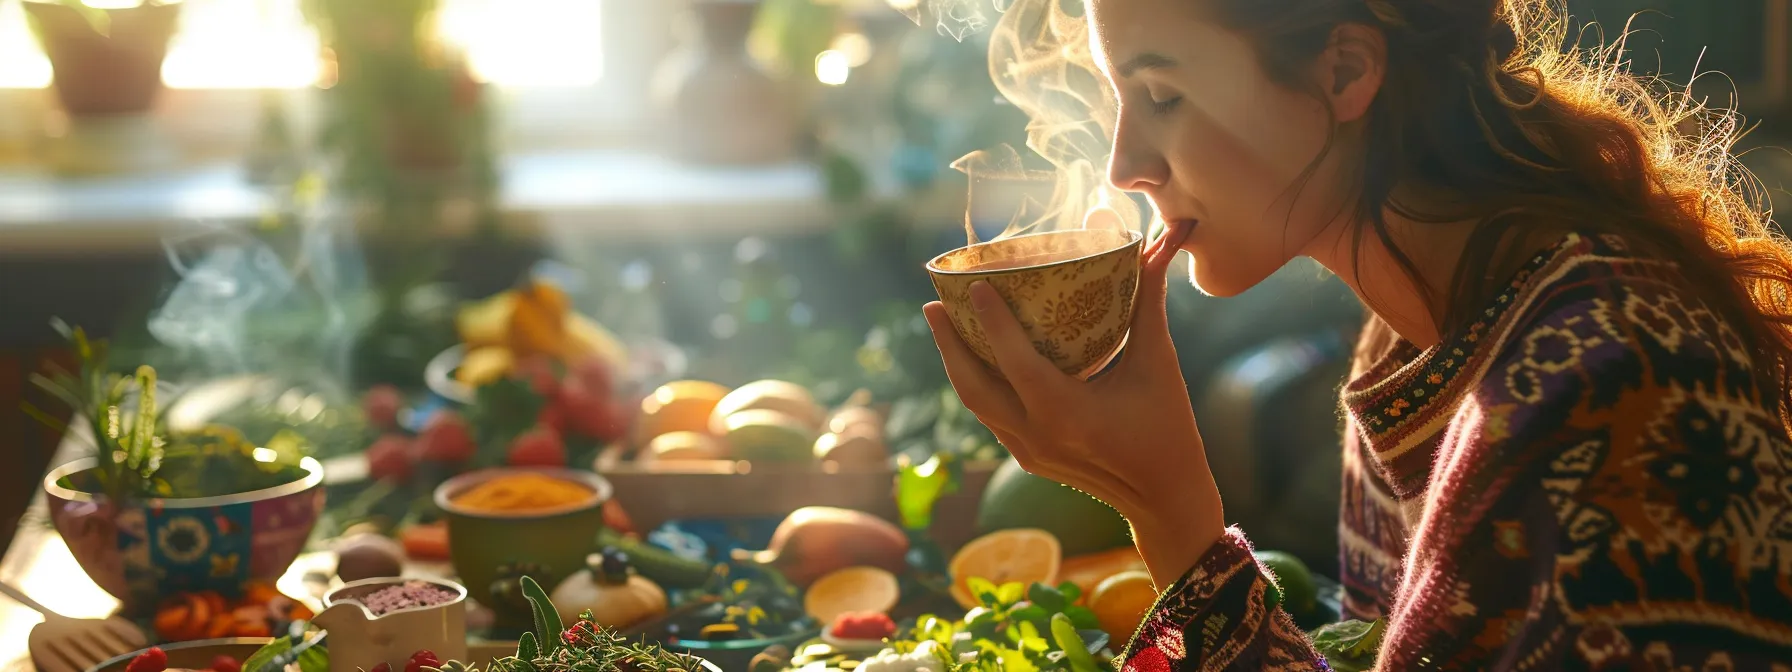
(1082, 524)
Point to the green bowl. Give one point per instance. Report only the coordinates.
(482, 543)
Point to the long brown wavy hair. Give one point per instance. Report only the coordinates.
(1488, 102)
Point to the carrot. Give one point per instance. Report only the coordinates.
(425, 542)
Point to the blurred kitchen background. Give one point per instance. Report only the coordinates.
(309, 186)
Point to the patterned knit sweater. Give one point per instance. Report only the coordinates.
(1585, 479)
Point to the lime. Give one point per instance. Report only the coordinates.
(1300, 595)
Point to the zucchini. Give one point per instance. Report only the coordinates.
(659, 565)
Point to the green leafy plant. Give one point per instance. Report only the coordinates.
(314, 659)
(1016, 627)
(119, 411)
(1350, 646)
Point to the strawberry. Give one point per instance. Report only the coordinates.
(863, 625)
(540, 447)
(390, 458)
(446, 439)
(420, 660)
(381, 404)
(153, 660)
(592, 414)
(226, 664)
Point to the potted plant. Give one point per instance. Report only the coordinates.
(105, 61)
(153, 512)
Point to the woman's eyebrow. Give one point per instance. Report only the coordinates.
(1144, 61)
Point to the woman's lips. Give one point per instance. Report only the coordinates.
(1179, 231)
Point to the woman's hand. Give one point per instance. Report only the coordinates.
(1128, 436)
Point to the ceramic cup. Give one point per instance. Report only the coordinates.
(1071, 290)
(361, 640)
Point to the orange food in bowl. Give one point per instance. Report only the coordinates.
(522, 492)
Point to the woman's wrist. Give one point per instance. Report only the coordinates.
(1178, 527)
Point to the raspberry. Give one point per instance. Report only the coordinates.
(863, 625)
(422, 659)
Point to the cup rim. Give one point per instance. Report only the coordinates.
(314, 475)
(933, 265)
(601, 491)
(331, 599)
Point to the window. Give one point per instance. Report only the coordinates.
(547, 58)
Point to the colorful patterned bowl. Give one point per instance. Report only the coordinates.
(146, 550)
(1072, 291)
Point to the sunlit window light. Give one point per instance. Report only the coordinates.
(22, 64)
(832, 67)
(548, 43)
(232, 44)
(225, 44)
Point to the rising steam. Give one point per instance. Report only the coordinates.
(1040, 60)
(243, 295)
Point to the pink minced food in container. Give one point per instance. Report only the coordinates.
(405, 596)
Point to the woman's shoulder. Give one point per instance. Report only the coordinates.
(1596, 317)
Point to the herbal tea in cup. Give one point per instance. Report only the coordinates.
(1071, 290)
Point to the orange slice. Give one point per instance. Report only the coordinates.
(1025, 555)
(854, 589)
(1121, 602)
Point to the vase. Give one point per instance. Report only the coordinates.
(717, 104)
(115, 73)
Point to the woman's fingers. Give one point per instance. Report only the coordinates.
(987, 395)
(1150, 334)
(1033, 377)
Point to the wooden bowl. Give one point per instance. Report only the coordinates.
(1072, 291)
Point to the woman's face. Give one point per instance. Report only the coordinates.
(1207, 135)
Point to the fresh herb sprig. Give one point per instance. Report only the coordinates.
(1016, 628)
(582, 647)
(128, 437)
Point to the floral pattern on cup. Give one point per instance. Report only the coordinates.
(1072, 292)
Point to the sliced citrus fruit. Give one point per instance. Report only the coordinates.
(1088, 571)
(1025, 555)
(854, 589)
(1121, 602)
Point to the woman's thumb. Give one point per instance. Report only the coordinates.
(1150, 322)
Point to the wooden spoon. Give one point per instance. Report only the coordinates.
(63, 644)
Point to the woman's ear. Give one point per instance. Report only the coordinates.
(1351, 68)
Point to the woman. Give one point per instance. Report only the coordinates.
(1567, 443)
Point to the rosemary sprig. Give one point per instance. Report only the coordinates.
(584, 647)
(128, 442)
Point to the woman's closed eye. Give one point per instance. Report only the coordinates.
(1161, 103)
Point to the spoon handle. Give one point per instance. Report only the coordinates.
(22, 598)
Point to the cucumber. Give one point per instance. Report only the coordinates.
(657, 564)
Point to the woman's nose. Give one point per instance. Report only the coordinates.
(1136, 165)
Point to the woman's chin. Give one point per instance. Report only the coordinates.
(1215, 281)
